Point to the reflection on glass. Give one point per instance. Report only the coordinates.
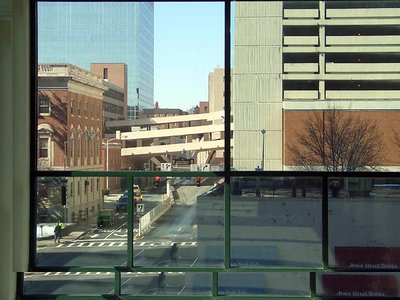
(68, 283)
(276, 221)
(181, 223)
(268, 284)
(166, 283)
(79, 225)
(362, 215)
(358, 285)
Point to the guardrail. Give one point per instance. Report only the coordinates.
(167, 200)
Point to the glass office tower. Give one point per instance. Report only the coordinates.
(98, 32)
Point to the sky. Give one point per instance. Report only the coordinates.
(188, 45)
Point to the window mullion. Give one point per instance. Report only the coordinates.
(130, 221)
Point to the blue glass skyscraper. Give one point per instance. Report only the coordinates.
(82, 33)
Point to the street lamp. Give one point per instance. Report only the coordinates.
(117, 137)
(263, 131)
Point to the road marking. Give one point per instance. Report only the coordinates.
(106, 243)
(194, 261)
(179, 229)
(115, 230)
(48, 273)
(181, 290)
(94, 235)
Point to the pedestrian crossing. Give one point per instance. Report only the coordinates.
(32, 274)
(105, 244)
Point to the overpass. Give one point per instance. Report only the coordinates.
(158, 139)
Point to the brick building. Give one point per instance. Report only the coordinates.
(70, 106)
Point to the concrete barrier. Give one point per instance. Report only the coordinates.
(153, 215)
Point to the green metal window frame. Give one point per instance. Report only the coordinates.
(227, 174)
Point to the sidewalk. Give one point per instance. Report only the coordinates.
(71, 233)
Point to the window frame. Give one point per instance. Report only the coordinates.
(227, 174)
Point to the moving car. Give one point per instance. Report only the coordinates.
(122, 202)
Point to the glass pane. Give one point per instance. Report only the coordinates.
(370, 207)
(183, 225)
(88, 230)
(276, 222)
(128, 90)
(358, 285)
(309, 81)
(264, 284)
(166, 283)
(68, 283)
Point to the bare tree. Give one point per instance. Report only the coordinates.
(337, 140)
(396, 135)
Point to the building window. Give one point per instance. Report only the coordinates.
(86, 145)
(44, 105)
(79, 108)
(79, 147)
(72, 188)
(43, 147)
(72, 149)
(105, 73)
(72, 106)
(85, 109)
(78, 189)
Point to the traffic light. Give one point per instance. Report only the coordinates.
(157, 181)
(63, 195)
(198, 181)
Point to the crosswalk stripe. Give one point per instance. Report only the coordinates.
(48, 273)
(70, 245)
(111, 244)
(91, 244)
(59, 246)
(121, 244)
(81, 244)
(101, 244)
(142, 243)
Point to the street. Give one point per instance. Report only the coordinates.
(278, 231)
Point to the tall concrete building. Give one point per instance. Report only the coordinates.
(294, 57)
(115, 32)
(216, 89)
